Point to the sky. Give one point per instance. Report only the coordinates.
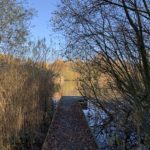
(41, 26)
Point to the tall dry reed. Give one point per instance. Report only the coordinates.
(25, 105)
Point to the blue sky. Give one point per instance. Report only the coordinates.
(41, 25)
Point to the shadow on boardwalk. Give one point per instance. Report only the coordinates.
(69, 129)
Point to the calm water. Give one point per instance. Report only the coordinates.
(67, 88)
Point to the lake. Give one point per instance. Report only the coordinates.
(66, 88)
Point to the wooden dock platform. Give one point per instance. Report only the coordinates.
(69, 129)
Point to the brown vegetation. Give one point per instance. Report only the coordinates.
(65, 70)
(25, 107)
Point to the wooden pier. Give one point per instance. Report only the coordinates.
(69, 129)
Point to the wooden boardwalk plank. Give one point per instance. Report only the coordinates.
(69, 129)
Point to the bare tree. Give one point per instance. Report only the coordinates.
(14, 23)
(119, 32)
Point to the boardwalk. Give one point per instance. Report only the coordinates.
(69, 129)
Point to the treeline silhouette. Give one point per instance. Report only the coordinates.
(111, 37)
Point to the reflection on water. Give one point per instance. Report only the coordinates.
(67, 88)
